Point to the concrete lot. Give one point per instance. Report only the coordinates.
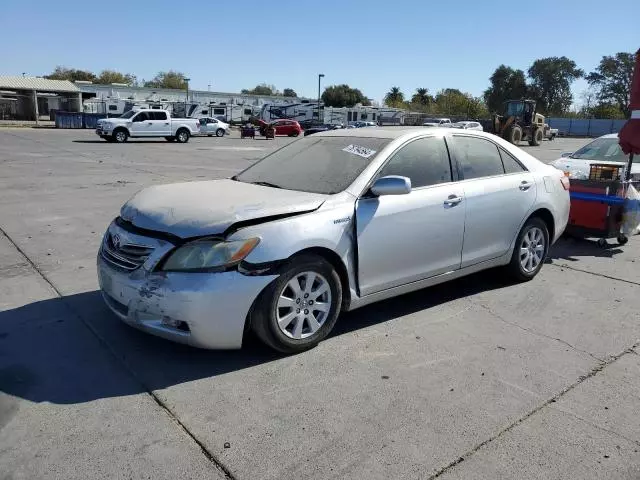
(473, 379)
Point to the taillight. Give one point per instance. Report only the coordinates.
(564, 180)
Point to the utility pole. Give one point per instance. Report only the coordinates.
(320, 76)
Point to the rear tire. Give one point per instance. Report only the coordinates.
(182, 135)
(529, 251)
(300, 308)
(120, 135)
(622, 239)
(536, 137)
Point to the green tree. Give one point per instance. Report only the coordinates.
(506, 84)
(289, 92)
(451, 101)
(606, 110)
(551, 80)
(422, 97)
(262, 89)
(111, 76)
(343, 96)
(170, 79)
(64, 73)
(394, 98)
(612, 78)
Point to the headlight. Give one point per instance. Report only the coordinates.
(209, 254)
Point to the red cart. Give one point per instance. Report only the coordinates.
(597, 205)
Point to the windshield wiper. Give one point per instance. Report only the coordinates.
(266, 184)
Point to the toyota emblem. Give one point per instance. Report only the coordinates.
(115, 239)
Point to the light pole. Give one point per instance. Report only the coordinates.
(320, 75)
(186, 98)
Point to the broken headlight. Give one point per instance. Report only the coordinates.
(208, 254)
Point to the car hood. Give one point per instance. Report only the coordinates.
(569, 164)
(195, 209)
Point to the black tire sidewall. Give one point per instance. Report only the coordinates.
(178, 136)
(515, 266)
(115, 136)
(220, 133)
(264, 321)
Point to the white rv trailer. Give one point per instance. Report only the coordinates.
(361, 113)
(298, 111)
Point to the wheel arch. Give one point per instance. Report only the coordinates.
(546, 216)
(336, 262)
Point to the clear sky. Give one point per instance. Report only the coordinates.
(369, 44)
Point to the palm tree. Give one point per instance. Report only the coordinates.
(421, 96)
(394, 97)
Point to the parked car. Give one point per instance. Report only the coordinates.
(605, 149)
(436, 122)
(320, 128)
(550, 133)
(360, 124)
(467, 125)
(290, 128)
(325, 225)
(147, 123)
(212, 126)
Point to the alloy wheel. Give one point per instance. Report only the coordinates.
(304, 304)
(532, 249)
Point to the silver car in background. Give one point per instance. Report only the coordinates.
(326, 224)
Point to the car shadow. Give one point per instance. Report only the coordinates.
(72, 349)
(128, 141)
(572, 248)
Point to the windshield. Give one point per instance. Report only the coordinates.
(515, 109)
(606, 149)
(128, 114)
(325, 165)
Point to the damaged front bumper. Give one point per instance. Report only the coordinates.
(206, 310)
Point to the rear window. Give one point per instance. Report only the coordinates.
(325, 165)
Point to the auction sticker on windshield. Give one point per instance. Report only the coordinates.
(358, 150)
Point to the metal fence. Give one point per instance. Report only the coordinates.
(585, 127)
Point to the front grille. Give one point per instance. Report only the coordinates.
(125, 256)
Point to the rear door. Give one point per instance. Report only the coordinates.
(406, 238)
(499, 194)
(160, 124)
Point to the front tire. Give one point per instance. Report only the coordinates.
(514, 134)
(220, 132)
(182, 135)
(300, 308)
(530, 250)
(120, 135)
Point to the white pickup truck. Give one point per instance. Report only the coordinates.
(147, 123)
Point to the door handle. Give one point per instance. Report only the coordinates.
(167, 123)
(452, 200)
(150, 123)
(524, 185)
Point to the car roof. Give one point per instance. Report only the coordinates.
(399, 132)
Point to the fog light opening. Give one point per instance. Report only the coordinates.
(173, 323)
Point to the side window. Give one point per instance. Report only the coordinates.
(141, 117)
(478, 157)
(511, 165)
(159, 115)
(424, 161)
(113, 107)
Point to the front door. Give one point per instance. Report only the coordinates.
(405, 238)
(140, 125)
(499, 193)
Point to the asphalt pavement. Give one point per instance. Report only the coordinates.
(477, 378)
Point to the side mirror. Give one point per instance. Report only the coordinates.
(566, 154)
(391, 185)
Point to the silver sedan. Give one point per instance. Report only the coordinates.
(327, 224)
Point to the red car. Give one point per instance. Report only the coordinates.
(287, 127)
